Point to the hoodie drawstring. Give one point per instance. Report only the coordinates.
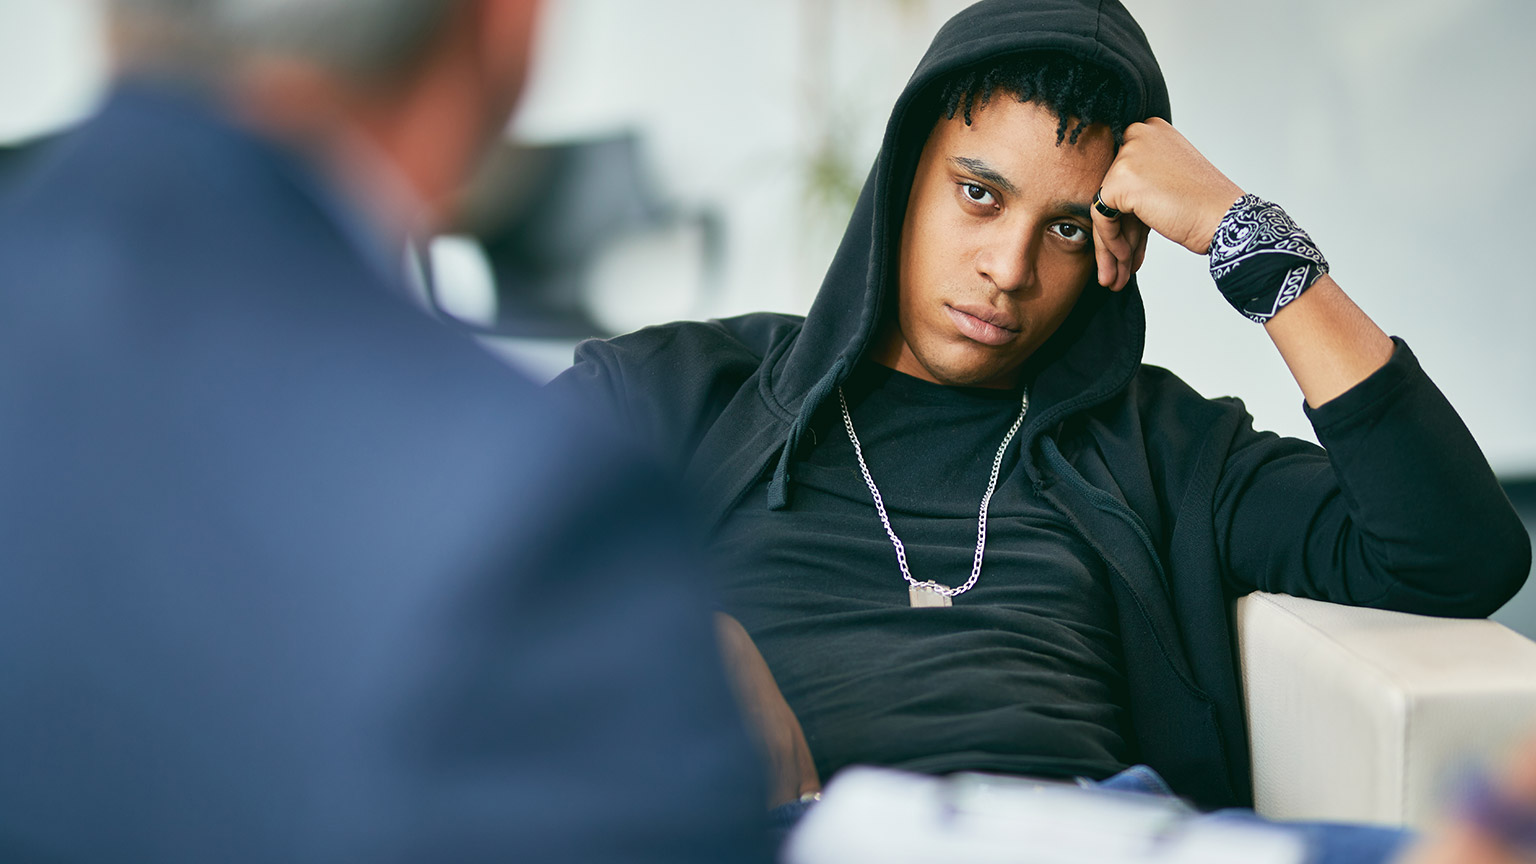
(778, 488)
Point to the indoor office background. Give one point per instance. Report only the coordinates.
(697, 158)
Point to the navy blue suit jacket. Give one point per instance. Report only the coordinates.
(290, 572)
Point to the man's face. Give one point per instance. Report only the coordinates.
(996, 245)
(502, 34)
(507, 31)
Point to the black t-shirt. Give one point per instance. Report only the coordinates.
(1022, 675)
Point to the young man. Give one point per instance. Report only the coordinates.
(290, 571)
(975, 350)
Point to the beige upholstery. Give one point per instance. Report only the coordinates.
(1368, 716)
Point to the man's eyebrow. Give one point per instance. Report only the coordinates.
(984, 172)
(1072, 208)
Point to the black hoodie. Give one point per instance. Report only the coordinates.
(1187, 504)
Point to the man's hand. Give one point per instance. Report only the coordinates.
(1461, 840)
(1158, 181)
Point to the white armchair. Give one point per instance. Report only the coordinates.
(1368, 716)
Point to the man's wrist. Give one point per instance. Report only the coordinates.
(1261, 260)
(1215, 213)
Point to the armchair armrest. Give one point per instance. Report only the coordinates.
(1367, 716)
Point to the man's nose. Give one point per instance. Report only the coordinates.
(1009, 261)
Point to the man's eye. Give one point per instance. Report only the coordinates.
(975, 193)
(1070, 231)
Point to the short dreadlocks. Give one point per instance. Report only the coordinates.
(1080, 93)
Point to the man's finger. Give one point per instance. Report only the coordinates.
(1113, 249)
(1142, 233)
(1103, 258)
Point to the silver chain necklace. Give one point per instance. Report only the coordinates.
(932, 593)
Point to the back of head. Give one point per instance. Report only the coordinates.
(351, 84)
(363, 41)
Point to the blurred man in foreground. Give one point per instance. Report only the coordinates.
(291, 573)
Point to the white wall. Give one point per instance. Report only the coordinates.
(732, 97)
(51, 64)
(1396, 131)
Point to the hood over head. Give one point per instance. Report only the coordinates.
(846, 316)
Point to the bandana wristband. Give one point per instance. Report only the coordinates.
(1260, 260)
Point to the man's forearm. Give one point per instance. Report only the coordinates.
(1160, 181)
(787, 757)
(1328, 342)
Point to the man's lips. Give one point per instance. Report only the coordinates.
(983, 324)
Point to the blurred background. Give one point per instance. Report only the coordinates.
(698, 158)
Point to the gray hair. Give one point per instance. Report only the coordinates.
(364, 40)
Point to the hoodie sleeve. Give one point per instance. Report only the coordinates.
(666, 385)
(1403, 513)
(611, 378)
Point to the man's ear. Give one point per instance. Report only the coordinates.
(505, 30)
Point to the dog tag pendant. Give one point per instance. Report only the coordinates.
(926, 595)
